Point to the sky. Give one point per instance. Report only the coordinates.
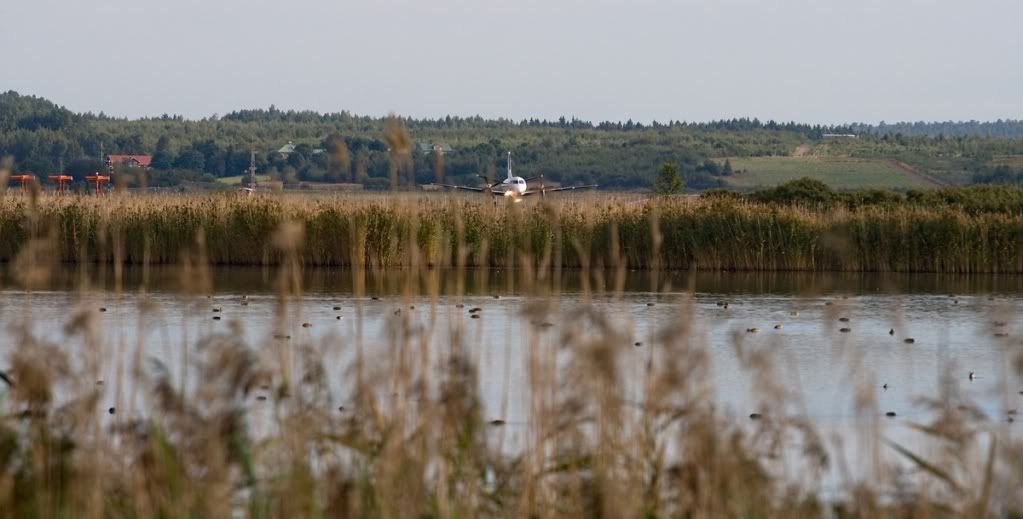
(815, 61)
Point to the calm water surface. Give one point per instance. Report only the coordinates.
(956, 324)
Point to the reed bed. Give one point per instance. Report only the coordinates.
(412, 439)
(349, 230)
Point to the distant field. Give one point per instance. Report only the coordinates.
(242, 178)
(837, 172)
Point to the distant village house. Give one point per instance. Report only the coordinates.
(290, 148)
(129, 161)
(287, 149)
(426, 148)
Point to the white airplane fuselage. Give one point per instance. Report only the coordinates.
(514, 186)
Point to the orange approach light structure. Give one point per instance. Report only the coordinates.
(25, 180)
(99, 180)
(61, 181)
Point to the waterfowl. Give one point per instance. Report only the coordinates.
(843, 319)
(973, 375)
(909, 340)
(497, 422)
(884, 386)
(307, 325)
(755, 416)
(777, 327)
(890, 414)
(845, 330)
(891, 331)
(752, 330)
(337, 308)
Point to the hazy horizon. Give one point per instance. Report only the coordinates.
(784, 60)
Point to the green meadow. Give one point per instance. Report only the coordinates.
(837, 172)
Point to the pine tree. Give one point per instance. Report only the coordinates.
(668, 181)
(727, 170)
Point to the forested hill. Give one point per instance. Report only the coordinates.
(43, 138)
(1000, 129)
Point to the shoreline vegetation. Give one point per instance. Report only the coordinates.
(799, 226)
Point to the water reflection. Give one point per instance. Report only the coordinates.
(249, 280)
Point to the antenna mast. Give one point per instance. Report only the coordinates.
(252, 168)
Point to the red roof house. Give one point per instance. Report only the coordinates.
(132, 161)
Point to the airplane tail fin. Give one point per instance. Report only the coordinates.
(509, 165)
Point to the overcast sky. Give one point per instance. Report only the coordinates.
(806, 60)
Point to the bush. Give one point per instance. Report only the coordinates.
(802, 191)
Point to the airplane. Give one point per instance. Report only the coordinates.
(514, 188)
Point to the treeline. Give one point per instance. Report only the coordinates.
(43, 138)
(1001, 129)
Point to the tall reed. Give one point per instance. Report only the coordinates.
(716, 234)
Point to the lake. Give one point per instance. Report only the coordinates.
(831, 348)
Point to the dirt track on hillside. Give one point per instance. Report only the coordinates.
(924, 178)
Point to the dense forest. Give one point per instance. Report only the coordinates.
(43, 138)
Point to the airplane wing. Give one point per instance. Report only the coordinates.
(553, 189)
(466, 188)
